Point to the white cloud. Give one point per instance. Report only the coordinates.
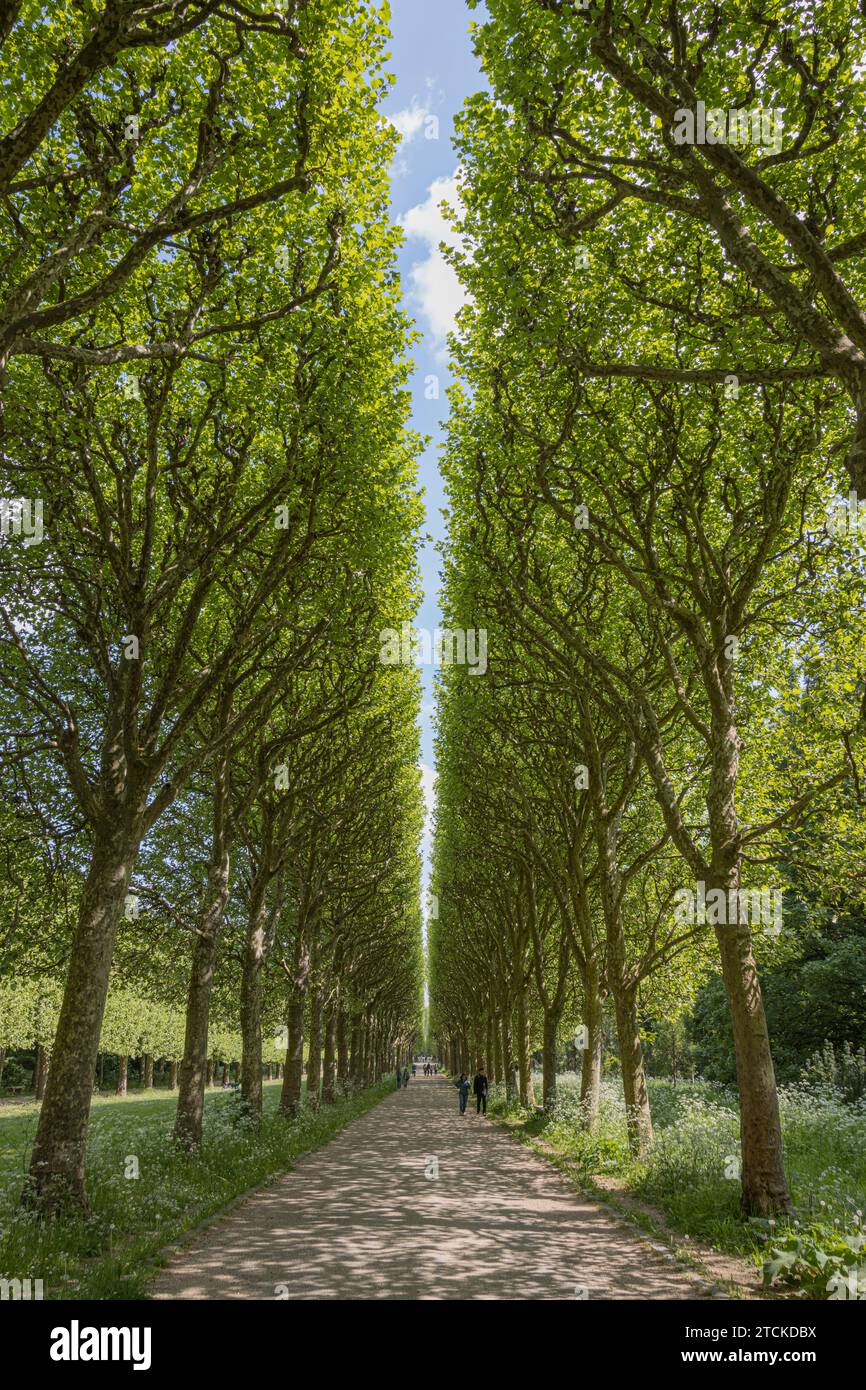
(410, 121)
(435, 286)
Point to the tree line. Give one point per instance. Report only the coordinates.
(653, 456)
(210, 795)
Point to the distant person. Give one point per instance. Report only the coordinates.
(399, 1078)
(414, 1069)
(405, 1076)
(480, 1087)
(463, 1091)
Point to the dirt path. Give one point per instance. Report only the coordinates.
(360, 1219)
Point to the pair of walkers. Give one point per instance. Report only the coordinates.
(480, 1087)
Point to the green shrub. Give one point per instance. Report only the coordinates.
(817, 1262)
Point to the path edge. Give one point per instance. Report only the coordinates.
(161, 1257)
(654, 1239)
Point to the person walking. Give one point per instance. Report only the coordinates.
(405, 1076)
(463, 1091)
(413, 1068)
(399, 1078)
(480, 1087)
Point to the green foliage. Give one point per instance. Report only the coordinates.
(815, 1262)
(842, 1070)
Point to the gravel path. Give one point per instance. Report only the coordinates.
(362, 1219)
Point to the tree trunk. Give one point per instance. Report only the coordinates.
(639, 1123)
(496, 1060)
(329, 1068)
(527, 1090)
(42, 1061)
(190, 1101)
(764, 1186)
(172, 1076)
(290, 1096)
(56, 1175)
(122, 1076)
(355, 1054)
(255, 947)
(508, 1058)
(314, 1050)
(148, 1071)
(2, 1063)
(591, 1056)
(209, 1075)
(343, 1063)
(548, 1082)
(358, 1070)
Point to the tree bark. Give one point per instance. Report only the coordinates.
(527, 1090)
(148, 1071)
(764, 1186)
(314, 1050)
(42, 1063)
(355, 1055)
(329, 1068)
(56, 1175)
(251, 1001)
(508, 1057)
(122, 1076)
(548, 1078)
(290, 1096)
(591, 1057)
(190, 1101)
(639, 1124)
(342, 1050)
(172, 1076)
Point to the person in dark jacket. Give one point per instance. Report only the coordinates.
(405, 1076)
(480, 1087)
(463, 1091)
(399, 1078)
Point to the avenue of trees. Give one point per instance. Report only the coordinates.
(210, 802)
(655, 464)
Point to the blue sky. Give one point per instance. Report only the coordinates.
(435, 70)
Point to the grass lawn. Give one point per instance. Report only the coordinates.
(111, 1254)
